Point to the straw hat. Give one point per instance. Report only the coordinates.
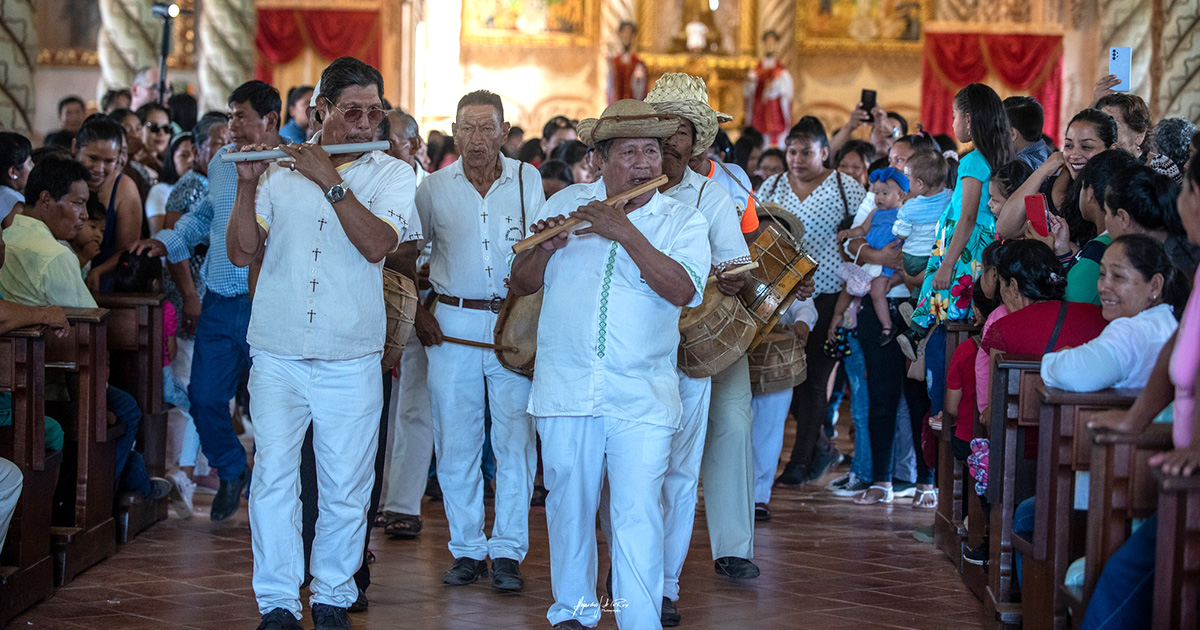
(626, 118)
(687, 96)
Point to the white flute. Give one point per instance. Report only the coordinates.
(333, 149)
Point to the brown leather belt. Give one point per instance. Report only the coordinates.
(492, 305)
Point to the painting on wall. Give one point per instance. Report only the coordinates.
(67, 32)
(530, 22)
(862, 24)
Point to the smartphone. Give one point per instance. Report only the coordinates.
(868, 103)
(1038, 213)
(1120, 60)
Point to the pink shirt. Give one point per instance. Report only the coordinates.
(1185, 361)
(170, 324)
(983, 361)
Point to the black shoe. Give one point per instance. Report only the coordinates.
(569, 624)
(539, 497)
(793, 475)
(608, 584)
(670, 614)
(279, 619)
(908, 342)
(326, 617)
(506, 574)
(360, 604)
(886, 336)
(977, 556)
(433, 489)
(229, 496)
(736, 568)
(761, 512)
(465, 571)
(821, 462)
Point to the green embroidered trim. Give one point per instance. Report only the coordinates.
(604, 287)
(692, 273)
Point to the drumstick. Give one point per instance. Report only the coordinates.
(333, 149)
(476, 344)
(736, 270)
(572, 223)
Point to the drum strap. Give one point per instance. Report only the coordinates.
(700, 195)
(837, 176)
(521, 192)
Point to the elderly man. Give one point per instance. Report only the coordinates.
(322, 226)
(472, 212)
(605, 391)
(145, 87)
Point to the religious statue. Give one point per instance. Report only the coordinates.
(627, 76)
(768, 93)
(699, 34)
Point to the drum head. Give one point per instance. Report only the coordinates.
(400, 307)
(789, 222)
(712, 302)
(516, 328)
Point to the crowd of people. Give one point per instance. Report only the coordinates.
(909, 230)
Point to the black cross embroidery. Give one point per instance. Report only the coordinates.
(485, 217)
(508, 219)
(311, 313)
(322, 223)
(393, 213)
(489, 270)
(316, 252)
(485, 243)
(314, 284)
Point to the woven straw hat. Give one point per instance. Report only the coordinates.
(627, 118)
(687, 96)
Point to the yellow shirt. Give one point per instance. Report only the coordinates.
(40, 271)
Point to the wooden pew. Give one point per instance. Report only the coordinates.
(1177, 557)
(1014, 409)
(135, 344)
(26, 568)
(1121, 489)
(1059, 530)
(948, 530)
(85, 532)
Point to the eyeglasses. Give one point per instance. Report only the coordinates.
(157, 128)
(352, 115)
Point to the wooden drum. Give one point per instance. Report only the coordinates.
(516, 332)
(713, 335)
(778, 362)
(771, 288)
(400, 305)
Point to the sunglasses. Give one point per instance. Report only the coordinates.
(157, 128)
(352, 115)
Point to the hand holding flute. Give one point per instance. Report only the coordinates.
(558, 228)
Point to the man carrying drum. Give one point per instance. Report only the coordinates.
(605, 392)
(322, 226)
(727, 451)
(472, 212)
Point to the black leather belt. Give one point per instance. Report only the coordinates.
(494, 305)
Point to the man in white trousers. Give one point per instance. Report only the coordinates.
(472, 212)
(686, 97)
(323, 226)
(605, 390)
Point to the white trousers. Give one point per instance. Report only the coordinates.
(683, 479)
(11, 481)
(411, 435)
(343, 401)
(770, 419)
(727, 470)
(577, 453)
(461, 380)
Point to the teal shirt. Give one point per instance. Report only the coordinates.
(1084, 276)
(973, 165)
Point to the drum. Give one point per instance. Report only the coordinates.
(778, 362)
(400, 305)
(516, 332)
(782, 266)
(713, 335)
(769, 211)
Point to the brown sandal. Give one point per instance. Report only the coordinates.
(402, 526)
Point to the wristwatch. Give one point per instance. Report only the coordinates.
(336, 193)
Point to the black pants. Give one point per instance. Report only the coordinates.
(886, 379)
(308, 490)
(810, 399)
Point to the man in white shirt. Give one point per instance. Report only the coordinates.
(472, 212)
(686, 98)
(322, 226)
(605, 390)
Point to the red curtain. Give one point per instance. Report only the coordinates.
(1024, 63)
(284, 33)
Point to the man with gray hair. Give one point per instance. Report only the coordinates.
(145, 87)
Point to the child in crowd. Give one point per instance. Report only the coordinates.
(890, 186)
(918, 218)
(86, 243)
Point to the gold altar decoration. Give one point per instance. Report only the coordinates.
(862, 25)
(67, 32)
(530, 22)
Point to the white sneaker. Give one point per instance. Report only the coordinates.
(181, 493)
(843, 481)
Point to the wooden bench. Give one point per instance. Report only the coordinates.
(84, 532)
(26, 567)
(1059, 530)
(135, 344)
(1177, 557)
(948, 530)
(1014, 409)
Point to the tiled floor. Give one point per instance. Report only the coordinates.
(825, 564)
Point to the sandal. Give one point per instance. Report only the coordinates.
(919, 499)
(886, 498)
(402, 526)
